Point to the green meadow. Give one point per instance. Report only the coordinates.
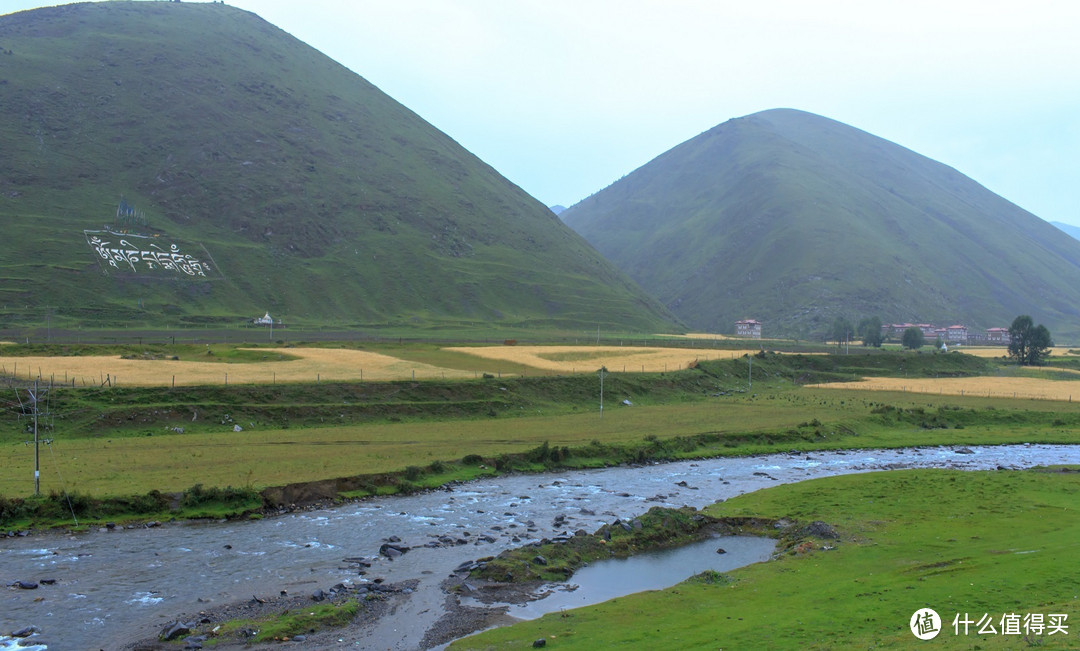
(963, 543)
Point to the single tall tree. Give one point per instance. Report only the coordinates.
(1028, 343)
(913, 338)
(870, 331)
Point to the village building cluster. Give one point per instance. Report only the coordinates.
(954, 334)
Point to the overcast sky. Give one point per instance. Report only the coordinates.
(564, 97)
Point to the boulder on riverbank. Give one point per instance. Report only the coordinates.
(819, 529)
(175, 630)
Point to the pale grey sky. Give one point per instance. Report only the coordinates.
(564, 97)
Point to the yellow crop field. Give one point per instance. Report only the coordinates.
(986, 387)
(702, 335)
(587, 359)
(1003, 351)
(327, 364)
(711, 336)
(982, 351)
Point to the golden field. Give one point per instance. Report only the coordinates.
(588, 359)
(985, 387)
(701, 335)
(335, 364)
(1003, 351)
(709, 336)
(314, 364)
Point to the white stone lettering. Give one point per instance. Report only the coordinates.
(126, 252)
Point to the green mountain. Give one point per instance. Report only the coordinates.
(794, 219)
(171, 163)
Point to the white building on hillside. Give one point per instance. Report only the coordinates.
(748, 328)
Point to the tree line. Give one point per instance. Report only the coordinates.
(1029, 344)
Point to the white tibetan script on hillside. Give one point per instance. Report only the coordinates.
(128, 252)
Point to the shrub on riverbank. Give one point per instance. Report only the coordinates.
(284, 626)
(69, 509)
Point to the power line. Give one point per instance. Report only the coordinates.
(63, 484)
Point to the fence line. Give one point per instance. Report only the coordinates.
(962, 392)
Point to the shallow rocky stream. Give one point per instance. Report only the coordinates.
(113, 587)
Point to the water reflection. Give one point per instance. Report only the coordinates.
(655, 570)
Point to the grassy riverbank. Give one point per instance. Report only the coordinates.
(658, 528)
(303, 442)
(992, 543)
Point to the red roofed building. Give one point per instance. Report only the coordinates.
(997, 335)
(748, 328)
(956, 334)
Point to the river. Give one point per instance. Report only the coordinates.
(112, 587)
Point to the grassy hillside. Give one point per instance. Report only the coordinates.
(795, 219)
(300, 187)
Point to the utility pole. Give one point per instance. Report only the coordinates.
(37, 465)
(750, 373)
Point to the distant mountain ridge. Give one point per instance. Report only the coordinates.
(297, 186)
(794, 219)
(1073, 231)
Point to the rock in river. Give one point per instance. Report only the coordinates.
(392, 551)
(175, 630)
(26, 631)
